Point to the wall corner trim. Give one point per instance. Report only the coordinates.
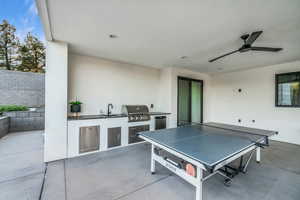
(42, 7)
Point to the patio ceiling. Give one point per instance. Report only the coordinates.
(159, 33)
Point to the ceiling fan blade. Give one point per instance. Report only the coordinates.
(212, 60)
(253, 37)
(266, 49)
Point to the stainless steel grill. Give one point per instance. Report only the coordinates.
(136, 113)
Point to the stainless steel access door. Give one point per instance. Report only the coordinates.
(89, 139)
(114, 137)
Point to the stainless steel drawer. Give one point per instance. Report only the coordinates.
(160, 122)
(113, 137)
(133, 133)
(89, 139)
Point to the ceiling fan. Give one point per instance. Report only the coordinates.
(247, 46)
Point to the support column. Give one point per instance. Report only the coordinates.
(258, 154)
(199, 191)
(56, 101)
(152, 160)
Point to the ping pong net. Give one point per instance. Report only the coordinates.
(258, 136)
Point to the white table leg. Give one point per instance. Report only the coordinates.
(199, 186)
(258, 154)
(152, 160)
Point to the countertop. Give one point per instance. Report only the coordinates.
(159, 113)
(87, 117)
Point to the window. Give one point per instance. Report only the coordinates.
(288, 89)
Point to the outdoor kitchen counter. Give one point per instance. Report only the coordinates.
(103, 132)
(87, 117)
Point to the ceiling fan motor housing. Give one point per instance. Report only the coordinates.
(245, 37)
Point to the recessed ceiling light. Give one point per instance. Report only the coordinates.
(113, 36)
(183, 57)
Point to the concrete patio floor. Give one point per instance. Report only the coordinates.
(124, 174)
(21, 165)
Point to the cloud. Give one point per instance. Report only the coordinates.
(28, 20)
(25, 21)
(22, 32)
(27, 2)
(32, 9)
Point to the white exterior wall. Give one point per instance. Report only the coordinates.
(206, 92)
(256, 101)
(97, 82)
(169, 88)
(56, 87)
(165, 90)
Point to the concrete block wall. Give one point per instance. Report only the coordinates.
(26, 120)
(4, 125)
(22, 88)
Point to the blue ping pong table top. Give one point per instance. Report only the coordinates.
(207, 145)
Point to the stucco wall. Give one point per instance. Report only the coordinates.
(22, 88)
(98, 82)
(167, 94)
(256, 101)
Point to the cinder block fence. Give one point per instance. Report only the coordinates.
(26, 89)
(4, 126)
(26, 120)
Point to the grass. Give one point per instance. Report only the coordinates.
(10, 108)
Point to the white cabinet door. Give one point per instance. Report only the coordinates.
(73, 148)
(114, 123)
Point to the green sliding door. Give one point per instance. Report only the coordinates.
(190, 101)
(184, 111)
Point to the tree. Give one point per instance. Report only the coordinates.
(8, 45)
(31, 55)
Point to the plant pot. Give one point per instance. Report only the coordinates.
(75, 108)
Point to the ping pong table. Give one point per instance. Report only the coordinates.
(209, 147)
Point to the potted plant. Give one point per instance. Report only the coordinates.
(75, 106)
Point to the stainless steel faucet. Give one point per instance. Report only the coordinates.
(109, 107)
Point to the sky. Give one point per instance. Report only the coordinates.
(23, 15)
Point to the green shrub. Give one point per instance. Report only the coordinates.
(9, 108)
(75, 103)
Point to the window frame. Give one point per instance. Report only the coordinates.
(276, 89)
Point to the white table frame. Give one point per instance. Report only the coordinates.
(198, 180)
